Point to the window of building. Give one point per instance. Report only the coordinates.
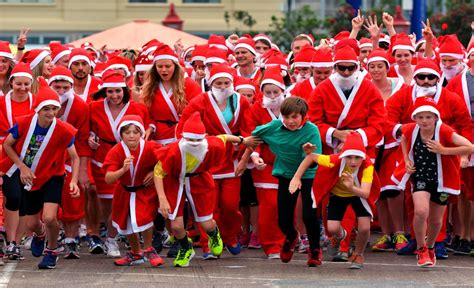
(201, 1)
(26, 1)
(147, 1)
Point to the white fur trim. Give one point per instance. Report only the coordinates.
(365, 45)
(347, 61)
(245, 86)
(113, 85)
(363, 136)
(219, 75)
(193, 135)
(136, 123)
(246, 46)
(322, 64)
(21, 74)
(46, 103)
(77, 58)
(265, 185)
(302, 64)
(425, 108)
(143, 67)
(38, 59)
(377, 58)
(60, 55)
(198, 58)
(220, 46)
(352, 152)
(403, 47)
(214, 60)
(454, 55)
(166, 57)
(60, 78)
(329, 136)
(117, 66)
(6, 55)
(271, 81)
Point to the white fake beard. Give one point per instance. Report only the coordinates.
(345, 83)
(64, 97)
(421, 91)
(301, 78)
(197, 149)
(222, 94)
(273, 103)
(452, 72)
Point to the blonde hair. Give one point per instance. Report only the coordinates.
(6, 84)
(36, 72)
(152, 80)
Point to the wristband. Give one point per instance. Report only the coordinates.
(241, 140)
(20, 48)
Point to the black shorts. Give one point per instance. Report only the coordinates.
(431, 187)
(32, 201)
(337, 207)
(248, 193)
(390, 193)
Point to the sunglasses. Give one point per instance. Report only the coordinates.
(424, 76)
(344, 68)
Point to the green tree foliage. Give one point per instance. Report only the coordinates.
(457, 20)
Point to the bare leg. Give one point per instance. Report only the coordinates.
(421, 201)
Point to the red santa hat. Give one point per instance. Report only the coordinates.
(244, 83)
(99, 68)
(89, 46)
(60, 73)
(165, 52)
(21, 70)
(5, 50)
(215, 55)
(58, 51)
(348, 42)
(308, 37)
(451, 47)
(402, 42)
(263, 37)
(45, 96)
(199, 53)
(425, 104)
(346, 54)
(277, 61)
(322, 58)
(273, 76)
(217, 41)
(112, 79)
(384, 38)
(304, 57)
(119, 62)
(378, 55)
(339, 36)
(143, 62)
(187, 51)
(150, 46)
(78, 54)
(193, 128)
(246, 43)
(132, 119)
(34, 57)
(365, 43)
(354, 146)
(427, 66)
(221, 70)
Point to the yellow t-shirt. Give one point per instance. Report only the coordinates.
(339, 189)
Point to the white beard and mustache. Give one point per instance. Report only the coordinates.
(273, 103)
(451, 73)
(197, 149)
(222, 94)
(421, 91)
(301, 78)
(345, 83)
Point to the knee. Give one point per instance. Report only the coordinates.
(334, 228)
(421, 213)
(363, 229)
(50, 220)
(177, 227)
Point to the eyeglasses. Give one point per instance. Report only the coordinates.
(344, 68)
(424, 76)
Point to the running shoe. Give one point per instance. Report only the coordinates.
(112, 247)
(96, 246)
(423, 257)
(50, 258)
(254, 241)
(215, 244)
(357, 262)
(315, 258)
(400, 241)
(184, 256)
(233, 249)
(409, 249)
(304, 244)
(440, 251)
(72, 250)
(383, 244)
(152, 257)
(464, 247)
(287, 250)
(130, 259)
(37, 244)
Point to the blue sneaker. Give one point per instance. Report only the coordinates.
(95, 245)
(37, 245)
(440, 251)
(50, 259)
(234, 250)
(209, 256)
(409, 249)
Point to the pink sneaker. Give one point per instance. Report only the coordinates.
(244, 239)
(254, 242)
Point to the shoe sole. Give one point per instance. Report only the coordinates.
(356, 266)
(46, 267)
(96, 251)
(383, 250)
(133, 263)
(426, 265)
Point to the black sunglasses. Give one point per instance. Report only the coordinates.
(344, 68)
(424, 76)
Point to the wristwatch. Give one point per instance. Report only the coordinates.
(241, 139)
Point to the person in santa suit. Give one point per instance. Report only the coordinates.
(463, 85)
(262, 112)
(347, 178)
(16, 103)
(245, 54)
(248, 89)
(105, 115)
(213, 56)
(7, 63)
(402, 50)
(183, 171)
(75, 112)
(223, 112)
(198, 58)
(429, 160)
(36, 149)
(165, 93)
(302, 63)
(453, 112)
(142, 64)
(80, 65)
(130, 164)
(59, 54)
(322, 67)
(342, 104)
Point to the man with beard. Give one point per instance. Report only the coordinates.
(453, 112)
(245, 55)
(80, 65)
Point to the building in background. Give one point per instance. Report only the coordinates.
(68, 20)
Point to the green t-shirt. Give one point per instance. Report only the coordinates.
(288, 146)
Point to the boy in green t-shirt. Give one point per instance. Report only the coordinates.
(286, 138)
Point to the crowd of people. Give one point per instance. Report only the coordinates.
(234, 144)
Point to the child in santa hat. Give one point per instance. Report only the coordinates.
(134, 206)
(183, 171)
(35, 167)
(429, 148)
(348, 179)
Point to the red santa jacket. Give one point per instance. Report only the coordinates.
(215, 124)
(362, 111)
(50, 159)
(141, 205)
(104, 126)
(164, 114)
(10, 110)
(92, 86)
(303, 89)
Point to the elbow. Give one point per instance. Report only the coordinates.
(108, 179)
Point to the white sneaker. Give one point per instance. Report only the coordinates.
(27, 243)
(272, 256)
(82, 231)
(112, 247)
(304, 244)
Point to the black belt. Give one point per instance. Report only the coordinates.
(192, 174)
(107, 141)
(168, 122)
(132, 188)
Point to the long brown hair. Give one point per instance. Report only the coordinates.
(152, 80)
(36, 72)
(6, 85)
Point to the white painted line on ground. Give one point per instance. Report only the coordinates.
(7, 273)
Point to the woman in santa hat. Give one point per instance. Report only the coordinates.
(105, 115)
(16, 103)
(166, 92)
(130, 163)
(41, 64)
(7, 63)
(142, 64)
(35, 169)
(403, 52)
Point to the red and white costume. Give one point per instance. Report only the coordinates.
(93, 83)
